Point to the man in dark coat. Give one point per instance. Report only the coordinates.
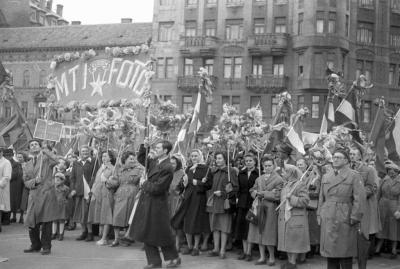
(82, 178)
(151, 222)
(42, 202)
(16, 184)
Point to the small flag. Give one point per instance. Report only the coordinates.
(328, 119)
(393, 141)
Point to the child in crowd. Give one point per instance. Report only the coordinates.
(62, 192)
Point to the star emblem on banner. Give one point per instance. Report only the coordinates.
(97, 86)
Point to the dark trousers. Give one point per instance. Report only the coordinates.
(153, 254)
(43, 240)
(340, 263)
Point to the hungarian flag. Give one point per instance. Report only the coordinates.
(329, 117)
(3, 73)
(346, 114)
(199, 113)
(377, 136)
(295, 134)
(393, 141)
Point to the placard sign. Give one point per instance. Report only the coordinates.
(100, 78)
(48, 130)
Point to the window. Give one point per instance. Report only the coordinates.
(301, 66)
(332, 3)
(315, 107)
(234, 2)
(365, 32)
(395, 5)
(280, 25)
(274, 106)
(33, 16)
(169, 67)
(42, 79)
(24, 108)
(319, 65)
(300, 24)
(300, 102)
(165, 31)
(209, 101)
(233, 67)
(211, 2)
(188, 67)
(259, 26)
(394, 36)
(160, 71)
(225, 100)
(236, 102)
(191, 3)
(364, 67)
(392, 69)
(332, 23)
(330, 62)
(234, 29)
(255, 101)
(190, 28)
(209, 66)
(7, 111)
(300, 4)
(166, 2)
(366, 112)
(26, 78)
(187, 103)
(347, 25)
(320, 3)
(320, 22)
(366, 3)
(210, 28)
(257, 67)
(278, 67)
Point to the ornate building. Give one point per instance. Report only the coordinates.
(257, 48)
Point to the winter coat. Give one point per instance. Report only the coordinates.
(5, 176)
(245, 184)
(16, 185)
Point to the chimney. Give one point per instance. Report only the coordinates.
(49, 5)
(59, 10)
(75, 22)
(126, 20)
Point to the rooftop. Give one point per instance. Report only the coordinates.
(74, 36)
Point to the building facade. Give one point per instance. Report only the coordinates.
(257, 48)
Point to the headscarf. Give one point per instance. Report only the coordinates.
(201, 156)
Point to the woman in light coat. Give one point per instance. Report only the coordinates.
(293, 233)
(266, 191)
(5, 176)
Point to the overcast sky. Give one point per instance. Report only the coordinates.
(104, 11)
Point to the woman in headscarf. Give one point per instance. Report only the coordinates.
(293, 234)
(389, 200)
(266, 192)
(174, 192)
(246, 180)
(196, 221)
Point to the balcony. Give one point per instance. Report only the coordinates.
(267, 44)
(235, 3)
(198, 45)
(191, 83)
(267, 84)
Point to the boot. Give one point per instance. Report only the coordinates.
(61, 237)
(82, 236)
(89, 237)
(53, 236)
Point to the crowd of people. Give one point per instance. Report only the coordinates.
(292, 207)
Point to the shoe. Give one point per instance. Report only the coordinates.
(102, 242)
(114, 244)
(71, 227)
(204, 249)
(31, 250)
(174, 264)
(260, 262)
(45, 252)
(284, 265)
(248, 258)
(393, 256)
(187, 251)
(270, 263)
(242, 257)
(291, 266)
(21, 220)
(222, 256)
(213, 253)
(61, 237)
(53, 236)
(89, 237)
(0, 229)
(13, 220)
(6, 222)
(82, 237)
(151, 266)
(195, 252)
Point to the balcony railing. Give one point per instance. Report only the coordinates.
(198, 41)
(267, 82)
(267, 43)
(235, 3)
(191, 83)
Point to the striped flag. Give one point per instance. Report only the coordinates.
(295, 134)
(377, 136)
(346, 114)
(199, 113)
(393, 141)
(3, 73)
(329, 117)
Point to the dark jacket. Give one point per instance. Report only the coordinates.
(245, 184)
(151, 222)
(79, 170)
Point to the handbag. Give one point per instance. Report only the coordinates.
(227, 204)
(210, 201)
(251, 217)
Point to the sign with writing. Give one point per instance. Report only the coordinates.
(100, 78)
(48, 130)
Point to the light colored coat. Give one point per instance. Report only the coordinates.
(270, 200)
(341, 199)
(5, 176)
(293, 235)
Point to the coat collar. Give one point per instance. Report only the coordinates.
(339, 178)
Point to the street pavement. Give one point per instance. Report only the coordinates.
(82, 255)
